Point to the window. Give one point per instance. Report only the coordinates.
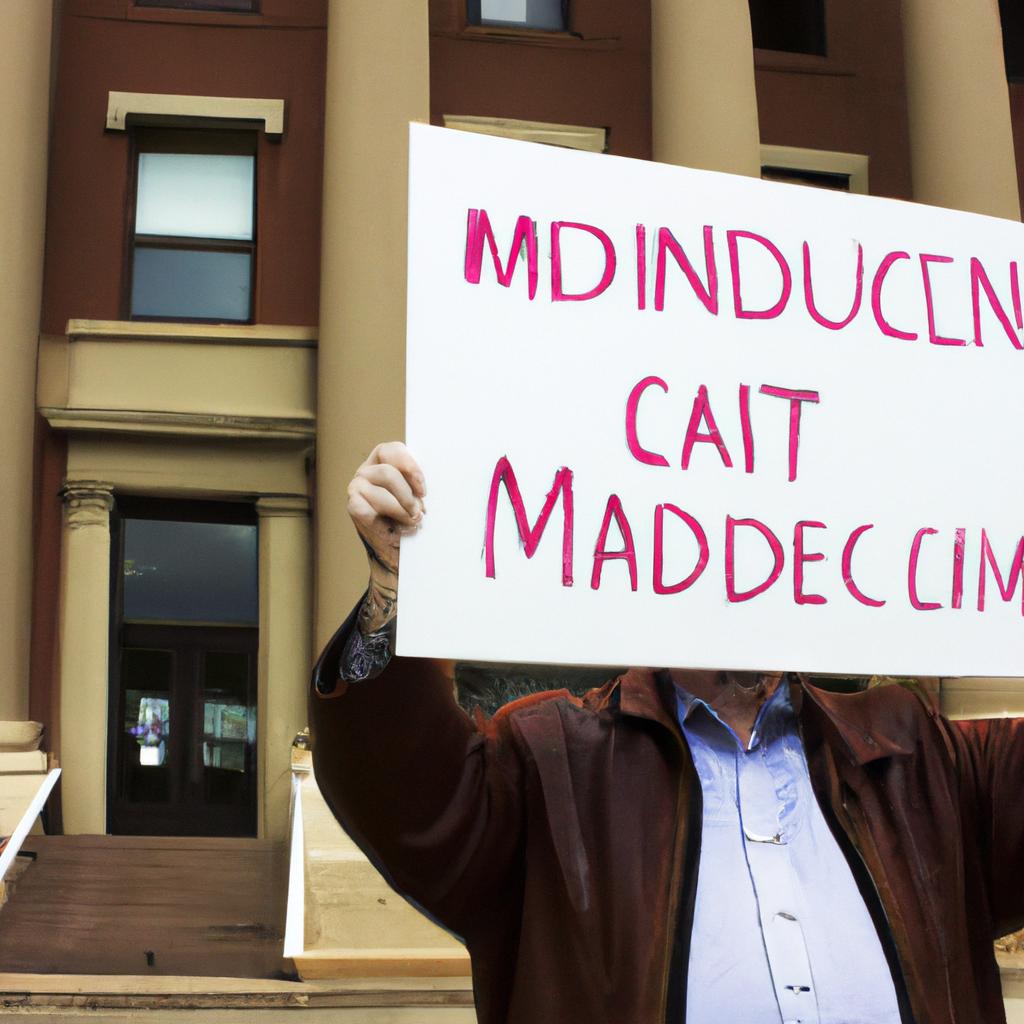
(800, 176)
(193, 242)
(245, 6)
(183, 669)
(1012, 15)
(844, 172)
(793, 26)
(549, 15)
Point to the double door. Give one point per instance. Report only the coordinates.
(183, 727)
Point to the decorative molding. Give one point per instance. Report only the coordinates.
(285, 335)
(282, 505)
(821, 161)
(164, 109)
(569, 136)
(87, 503)
(181, 424)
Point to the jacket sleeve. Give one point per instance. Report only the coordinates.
(431, 797)
(991, 760)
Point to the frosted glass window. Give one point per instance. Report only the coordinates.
(542, 14)
(197, 195)
(190, 572)
(503, 10)
(199, 283)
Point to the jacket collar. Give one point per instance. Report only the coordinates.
(866, 727)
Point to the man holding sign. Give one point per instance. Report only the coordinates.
(688, 845)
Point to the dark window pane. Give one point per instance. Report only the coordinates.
(818, 179)
(190, 572)
(195, 283)
(247, 6)
(795, 26)
(549, 15)
(1012, 14)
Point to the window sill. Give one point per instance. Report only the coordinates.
(283, 335)
(529, 37)
(799, 63)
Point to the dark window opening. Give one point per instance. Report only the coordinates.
(793, 26)
(243, 6)
(184, 644)
(834, 180)
(546, 15)
(192, 247)
(1012, 14)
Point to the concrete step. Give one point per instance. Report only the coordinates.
(144, 905)
(352, 910)
(169, 1000)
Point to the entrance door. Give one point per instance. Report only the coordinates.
(183, 671)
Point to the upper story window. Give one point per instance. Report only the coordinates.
(548, 15)
(245, 6)
(194, 235)
(803, 176)
(1012, 14)
(793, 26)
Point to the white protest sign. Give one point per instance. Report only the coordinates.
(677, 418)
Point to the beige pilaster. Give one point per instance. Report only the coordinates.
(702, 68)
(285, 655)
(377, 82)
(24, 113)
(961, 139)
(84, 655)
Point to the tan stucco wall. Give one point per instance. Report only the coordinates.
(961, 138)
(24, 113)
(702, 78)
(377, 81)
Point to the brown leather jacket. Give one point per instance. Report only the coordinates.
(561, 838)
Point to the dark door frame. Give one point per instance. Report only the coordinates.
(188, 642)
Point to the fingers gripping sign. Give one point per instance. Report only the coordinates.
(385, 500)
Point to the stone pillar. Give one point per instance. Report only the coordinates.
(285, 657)
(84, 655)
(24, 113)
(961, 138)
(702, 68)
(377, 82)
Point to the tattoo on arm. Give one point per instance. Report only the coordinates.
(378, 607)
(376, 561)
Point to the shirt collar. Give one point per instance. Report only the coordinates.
(773, 715)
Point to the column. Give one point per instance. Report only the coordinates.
(702, 71)
(285, 655)
(961, 139)
(84, 655)
(377, 82)
(24, 113)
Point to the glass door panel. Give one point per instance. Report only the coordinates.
(229, 727)
(145, 739)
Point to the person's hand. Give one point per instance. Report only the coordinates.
(385, 499)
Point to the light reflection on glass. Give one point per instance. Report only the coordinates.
(151, 728)
(225, 734)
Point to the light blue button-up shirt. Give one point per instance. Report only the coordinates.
(780, 930)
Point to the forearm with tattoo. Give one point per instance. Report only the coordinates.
(381, 601)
